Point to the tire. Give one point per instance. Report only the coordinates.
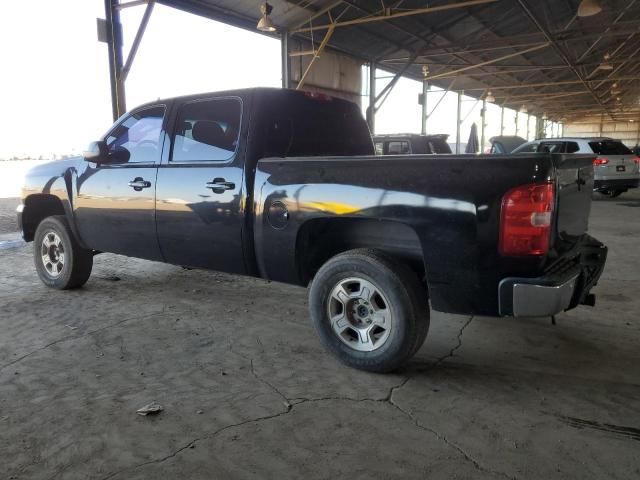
(369, 311)
(60, 262)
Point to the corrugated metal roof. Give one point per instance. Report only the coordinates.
(532, 52)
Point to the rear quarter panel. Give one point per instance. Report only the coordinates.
(451, 202)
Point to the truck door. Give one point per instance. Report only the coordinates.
(115, 202)
(199, 205)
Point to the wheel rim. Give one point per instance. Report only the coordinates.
(359, 314)
(52, 253)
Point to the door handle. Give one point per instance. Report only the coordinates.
(139, 183)
(219, 185)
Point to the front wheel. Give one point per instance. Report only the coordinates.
(60, 261)
(612, 193)
(369, 311)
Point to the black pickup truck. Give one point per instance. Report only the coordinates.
(284, 185)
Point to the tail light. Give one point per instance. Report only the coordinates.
(636, 160)
(600, 161)
(525, 220)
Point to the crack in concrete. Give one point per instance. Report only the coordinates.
(76, 337)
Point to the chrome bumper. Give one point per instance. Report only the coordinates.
(542, 300)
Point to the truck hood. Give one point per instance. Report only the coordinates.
(56, 168)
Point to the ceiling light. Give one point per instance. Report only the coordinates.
(605, 65)
(631, 120)
(425, 71)
(265, 24)
(490, 98)
(544, 116)
(523, 109)
(614, 84)
(588, 8)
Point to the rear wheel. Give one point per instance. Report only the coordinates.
(60, 262)
(369, 311)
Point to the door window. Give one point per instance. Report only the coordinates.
(398, 148)
(136, 139)
(550, 147)
(527, 148)
(207, 130)
(379, 148)
(571, 147)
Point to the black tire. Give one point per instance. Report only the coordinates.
(404, 298)
(77, 262)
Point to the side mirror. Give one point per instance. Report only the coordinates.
(96, 152)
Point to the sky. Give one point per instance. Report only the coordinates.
(54, 86)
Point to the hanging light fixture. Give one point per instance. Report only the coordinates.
(544, 116)
(588, 8)
(523, 109)
(490, 98)
(425, 71)
(265, 24)
(605, 65)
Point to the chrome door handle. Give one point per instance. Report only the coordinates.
(219, 185)
(139, 183)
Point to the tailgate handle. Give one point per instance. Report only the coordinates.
(219, 185)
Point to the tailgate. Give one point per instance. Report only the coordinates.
(575, 185)
(619, 165)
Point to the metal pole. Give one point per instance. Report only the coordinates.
(483, 116)
(136, 41)
(528, 126)
(458, 121)
(425, 91)
(517, 113)
(286, 62)
(502, 120)
(325, 41)
(114, 31)
(371, 117)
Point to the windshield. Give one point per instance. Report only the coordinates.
(609, 147)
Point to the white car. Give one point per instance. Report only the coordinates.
(616, 168)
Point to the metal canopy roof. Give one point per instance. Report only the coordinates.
(532, 52)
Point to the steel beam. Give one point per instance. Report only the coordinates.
(425, 91)
(371, 111)
(483, 118)
(323, 44)
(136, 41)
(389, 87)
(114, 44)
(405, 13)
(285, 59)
(458, 122)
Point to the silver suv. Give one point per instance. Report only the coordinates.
(616, 168)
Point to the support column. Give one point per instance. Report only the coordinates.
(114, 32)
(483, 117)
(517, 113)
(502, 120)
(371, 110)
(458, 121)
(425, 91)
(286, 61)
(528, 129)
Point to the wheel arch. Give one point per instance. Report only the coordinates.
(320, 239)
(37, 207)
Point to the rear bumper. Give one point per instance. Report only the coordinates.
(616, 184)
(551, 294)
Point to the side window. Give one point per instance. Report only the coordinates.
(571, 147)
(550, 147)
(527, 148)
(398, 148)
(207, 130)
(136, 139)
(379, 148)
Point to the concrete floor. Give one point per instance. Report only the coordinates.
(249, 393)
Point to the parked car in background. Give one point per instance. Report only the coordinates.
(411, 143)
(505, 143)
(616, 167)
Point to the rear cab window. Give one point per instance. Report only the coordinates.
(609, 147)
(398, 147)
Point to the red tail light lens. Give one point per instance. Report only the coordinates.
(636, 160)
(525, 222)
(600, 161)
